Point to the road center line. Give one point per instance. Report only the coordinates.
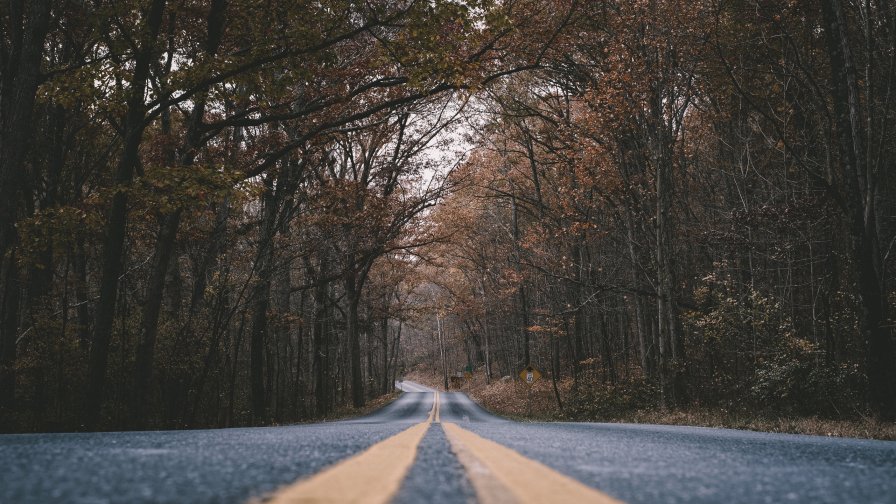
(501, 475)
(370, 477)
(434, 412)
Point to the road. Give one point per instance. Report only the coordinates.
(443, 448)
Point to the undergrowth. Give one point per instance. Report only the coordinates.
(636, 401)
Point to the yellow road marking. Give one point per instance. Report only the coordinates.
(501, 475)
(370, 477)
(435, 406)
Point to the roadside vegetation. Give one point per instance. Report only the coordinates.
(640, 404)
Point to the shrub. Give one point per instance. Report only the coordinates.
(596, 400)
(797, 380)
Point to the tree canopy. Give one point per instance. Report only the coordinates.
(233, 212)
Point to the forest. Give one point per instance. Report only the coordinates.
(220, 213)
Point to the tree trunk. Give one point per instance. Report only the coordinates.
(485, 333)
(671, 351)
(442, 353)
(860, 186)
(606, 350)
(353, 295)
(521, 290)
(282, 335)
(9, 323)
(261, 301)
(385, 332)
(396, 349)
(80, 260)
(150, 323)
(320, 345)
(20, 74)
(555, 368)
(644, 347)
(116, 224)
(168, 235)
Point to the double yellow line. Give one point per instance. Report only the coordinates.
(434, 412)
(498, 474)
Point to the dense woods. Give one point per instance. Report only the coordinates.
(234, 212)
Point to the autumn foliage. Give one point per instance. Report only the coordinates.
(230, 212)
(671, 213)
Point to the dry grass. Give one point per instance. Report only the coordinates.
(513, 399)
(858, 428)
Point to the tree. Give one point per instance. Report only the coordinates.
(24, 28)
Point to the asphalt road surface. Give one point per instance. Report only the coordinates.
(629, 463)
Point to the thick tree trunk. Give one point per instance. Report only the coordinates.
(859, 187)
(116, 224)
(208, 261)
(261, 301)
(168, 236)
(672, 359)
(282, 292)
(298, 383)
(257, 340)
(665, 287)
(320, 345)
(20, 74)
(9, 323)
(150, 323)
